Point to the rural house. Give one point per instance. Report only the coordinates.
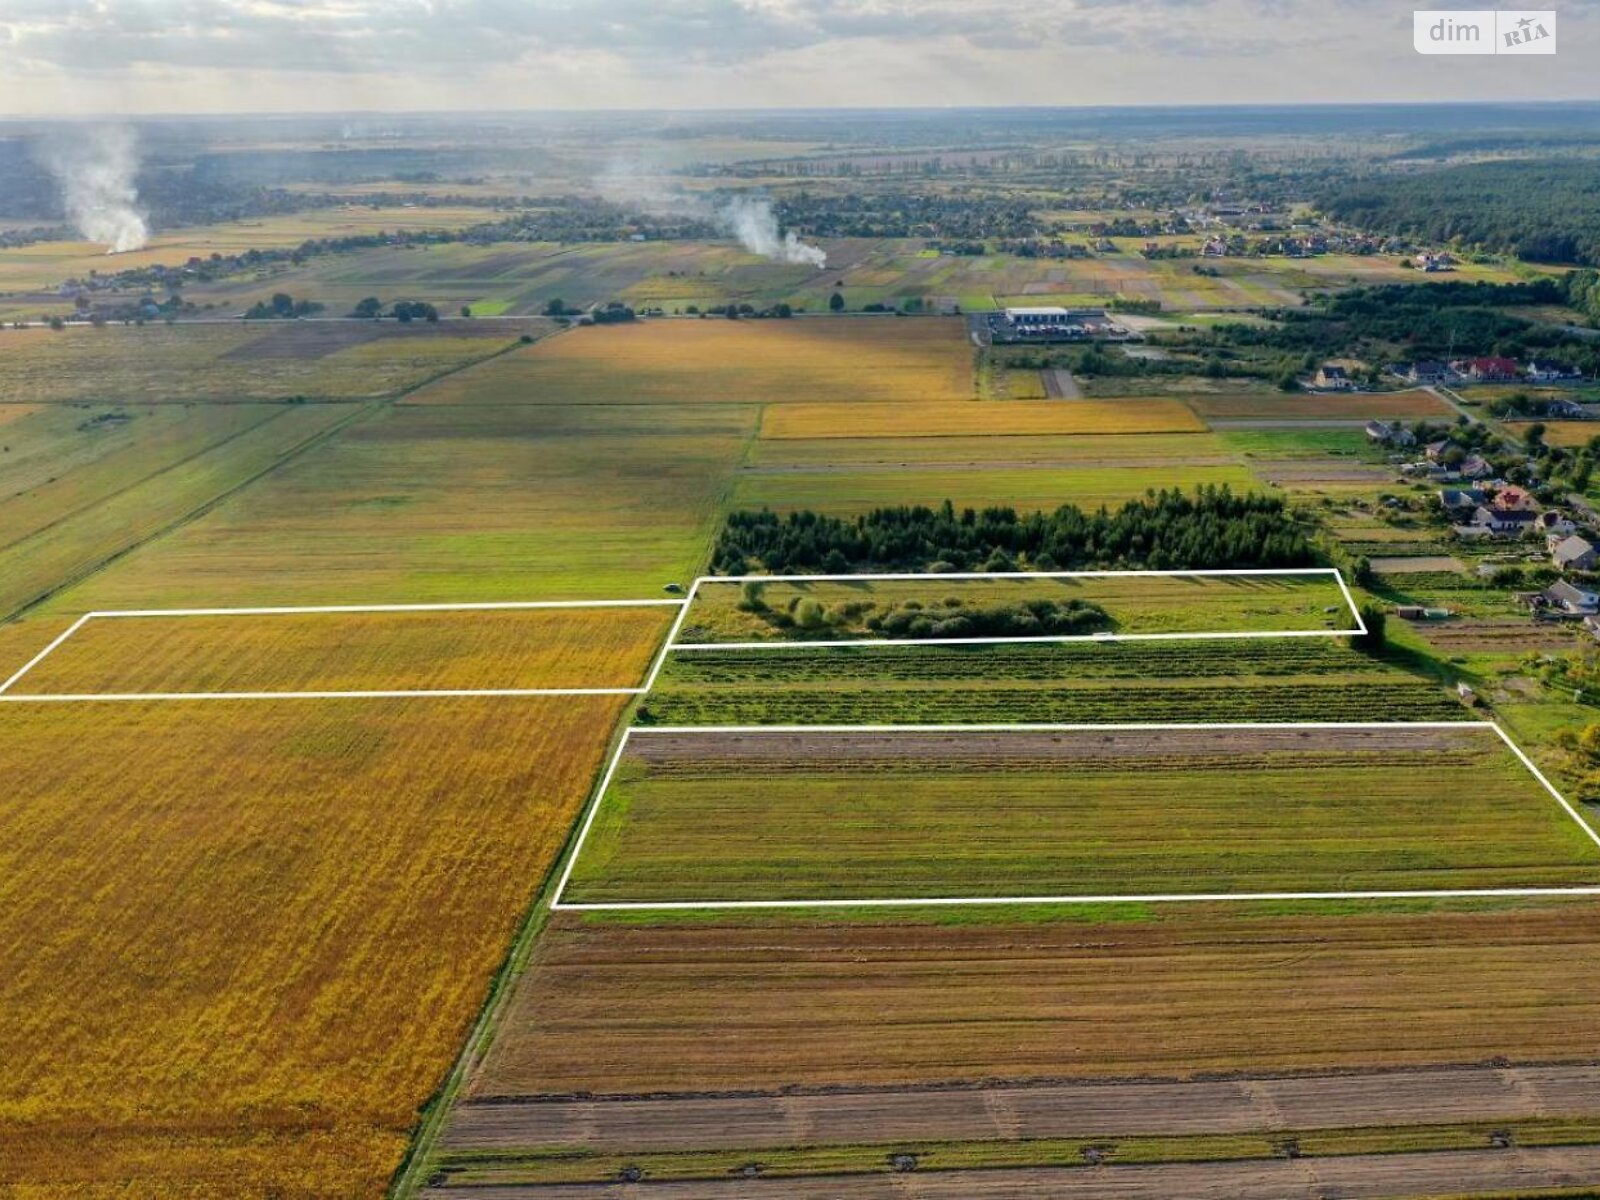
(1390, 435)
(1513, 523)
(1491, 370)
(1475, 466)
(1543, 371)
(1574, 553)
(1426, 371)
(1462, 500)
(1569, 599)
(1513, 499)
(1333, 379)
(1555, 525)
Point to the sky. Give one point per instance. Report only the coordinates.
(203, 56)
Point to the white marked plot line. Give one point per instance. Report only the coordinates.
(45, 653)
(558, 903)
(333, 609)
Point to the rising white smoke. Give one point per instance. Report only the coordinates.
(753, 222)
(637, 183)
(95, 167)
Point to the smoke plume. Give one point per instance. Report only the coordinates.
(750, 219)
(95, 167)
(753, 222)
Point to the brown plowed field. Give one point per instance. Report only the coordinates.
(1352, 1177)
(1065, 1110)
(765, 1002)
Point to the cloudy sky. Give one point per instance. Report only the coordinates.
(89, 56)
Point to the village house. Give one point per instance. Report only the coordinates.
(1435, 450)
(1514, 499)
(1555, 525)
(1475, 466)
(1426, 371)
(1330, 378)
(1494, 521)
(1569, 599)
(1429, 261)
(1390, 435)
(1573, 553)
(1542, 371)
(1491, 370)
(1462, 500)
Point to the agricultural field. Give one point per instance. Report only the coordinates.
(852, 490)
(731, 612)
(1296, 679)
(783, 422)
(1175, 452)
(687, 362)
(243, 941)
(453, 504)
(1360, 407)
(131, 499)
(241, 361)
(767, 1002)
(370, 651)
(1571, 434)
(886, 815)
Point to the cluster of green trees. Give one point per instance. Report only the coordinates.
(404, 311)
(1032, 618)
(1166, 530)
(1544, 211)
(282, 307)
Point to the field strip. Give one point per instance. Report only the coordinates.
(1358, 629)
(560, 905)
(336, 609)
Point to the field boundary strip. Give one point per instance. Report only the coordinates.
(558, 904)
(333, 609)
(1358, 629)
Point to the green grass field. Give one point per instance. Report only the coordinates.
(729, 816)
(1151, 605)
(1301, 679)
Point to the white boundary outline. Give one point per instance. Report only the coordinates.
(1359, 628)
(559, 905)
(491, 606)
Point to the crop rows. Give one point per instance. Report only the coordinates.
(1368, 699)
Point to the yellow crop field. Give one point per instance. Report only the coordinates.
(404, 651)
(12, 413)
(978, 418)
(1568, 434)
(728, 362)
(243, 941)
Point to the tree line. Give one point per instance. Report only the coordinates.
(1166, 530)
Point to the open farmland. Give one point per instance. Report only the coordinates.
(993, 451)
(993, 419)
(766, 1002)
(129, 500)
(242, 942)
(900, 815)
(1571, 434)
(1298, 679)
(1390, 406)
(1143, 604)
(728, 362)
(849, 491)
(241, 361)
(367, 651)
(456, 504)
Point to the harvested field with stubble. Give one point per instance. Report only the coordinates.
(1146, 604)
(911, 815)
(729, 362)
(242, 942)
(387, 651)
(990, 418)
(763, 1002)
